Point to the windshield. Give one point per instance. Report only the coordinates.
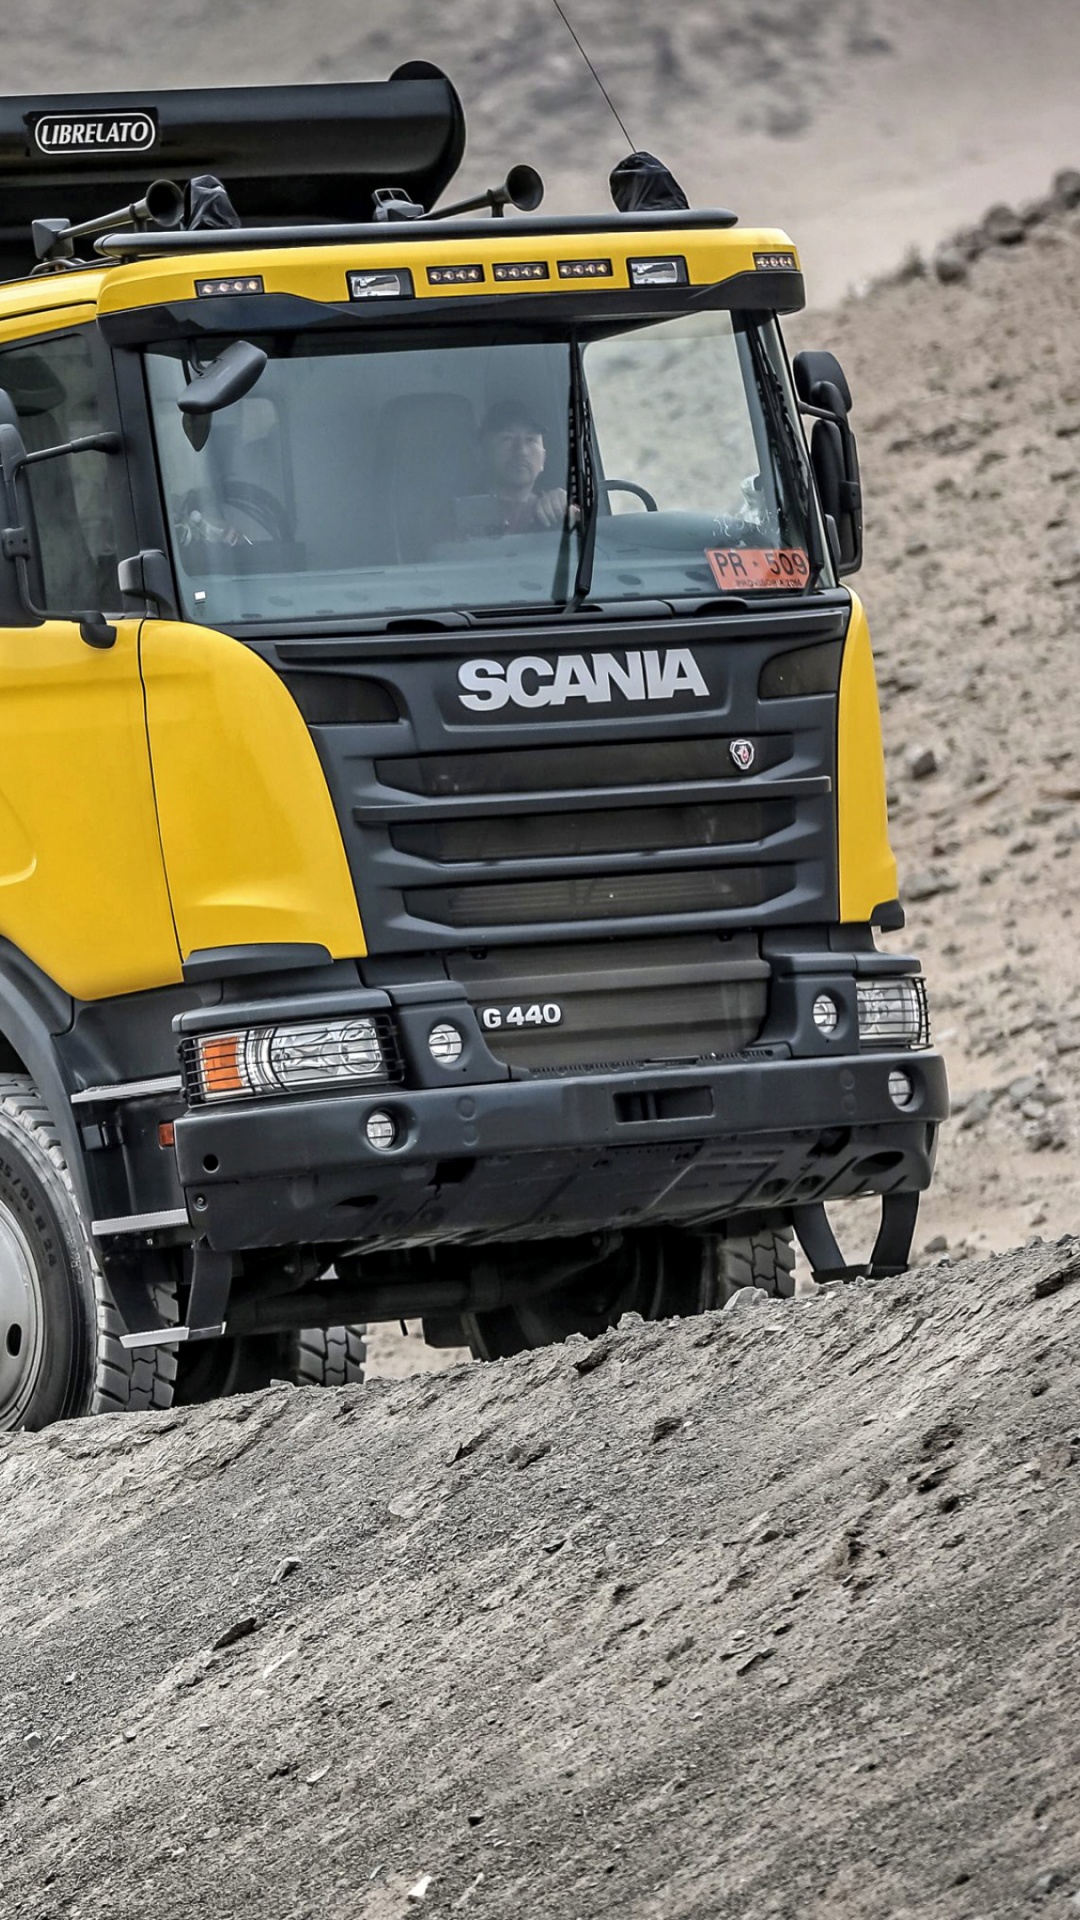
(366, 478)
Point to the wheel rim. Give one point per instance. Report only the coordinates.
(22, 1321)
(638, 1288)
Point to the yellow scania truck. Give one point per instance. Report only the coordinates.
(442, 807)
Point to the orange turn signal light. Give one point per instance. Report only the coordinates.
(219, 1064)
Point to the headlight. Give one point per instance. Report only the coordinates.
(893, 1013)
(305, 1058)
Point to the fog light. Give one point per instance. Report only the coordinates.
(381, 1130)
(826, 1013)
(901, 1091)
(446, 1044)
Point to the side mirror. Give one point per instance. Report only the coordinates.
(232, 375)
(16, 525)
(20, 561)
(825, 396)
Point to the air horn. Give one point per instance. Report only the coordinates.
(161, 208)
(522, 188)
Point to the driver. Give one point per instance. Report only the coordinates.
(512, 444)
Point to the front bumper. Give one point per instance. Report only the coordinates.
(534, 1158)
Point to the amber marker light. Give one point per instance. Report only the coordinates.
(220, 1064)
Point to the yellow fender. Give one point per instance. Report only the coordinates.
(253, 850)
(867, 863)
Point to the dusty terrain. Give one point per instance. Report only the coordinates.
(768, 1614)
(865, 126)
(968, 408)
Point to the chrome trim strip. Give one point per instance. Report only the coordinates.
(141, 1222)
(165, 1083)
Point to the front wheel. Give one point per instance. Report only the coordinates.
(60, 1351)
(659, 1272)
(316, 1357)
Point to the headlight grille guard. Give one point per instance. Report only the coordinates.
(894, 1012)
(392, 1074)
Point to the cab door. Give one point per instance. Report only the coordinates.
(82, 885)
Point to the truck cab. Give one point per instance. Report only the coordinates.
(442, 804)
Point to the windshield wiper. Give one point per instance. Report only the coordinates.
(788, 448)
(583, 476)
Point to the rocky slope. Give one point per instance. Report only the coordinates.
(968, 409)
(770, 1613)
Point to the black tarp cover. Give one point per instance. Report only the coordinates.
(642, 184)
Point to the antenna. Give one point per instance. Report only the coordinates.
(592, 70)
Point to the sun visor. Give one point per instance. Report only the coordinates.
(287, 156)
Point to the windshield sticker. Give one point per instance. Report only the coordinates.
(738, 568)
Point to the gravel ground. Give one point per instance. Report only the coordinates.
(770, 1613)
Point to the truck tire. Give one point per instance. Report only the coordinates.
(765, 1259)
(661, 1273)
(60, 1352)
(327, 1356)
(315, 1357)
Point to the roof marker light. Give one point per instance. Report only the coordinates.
(240, 283)
(521, 270)
(453, 276)
(585, 270)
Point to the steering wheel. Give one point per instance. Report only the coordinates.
(260, 505)
(631, 486)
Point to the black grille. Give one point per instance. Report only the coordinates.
(621, 763)
(341, 700)
(539, 836)
(620, 1001)
(600, 896)
(470, 831)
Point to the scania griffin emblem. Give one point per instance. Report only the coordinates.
(744, 753)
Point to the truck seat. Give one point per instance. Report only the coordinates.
(427, 457)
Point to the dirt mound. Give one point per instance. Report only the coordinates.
(765, 1613)
(968, 409)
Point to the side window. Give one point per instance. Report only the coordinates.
(52, 386)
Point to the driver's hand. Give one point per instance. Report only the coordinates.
(551, 509)
(197, 527)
